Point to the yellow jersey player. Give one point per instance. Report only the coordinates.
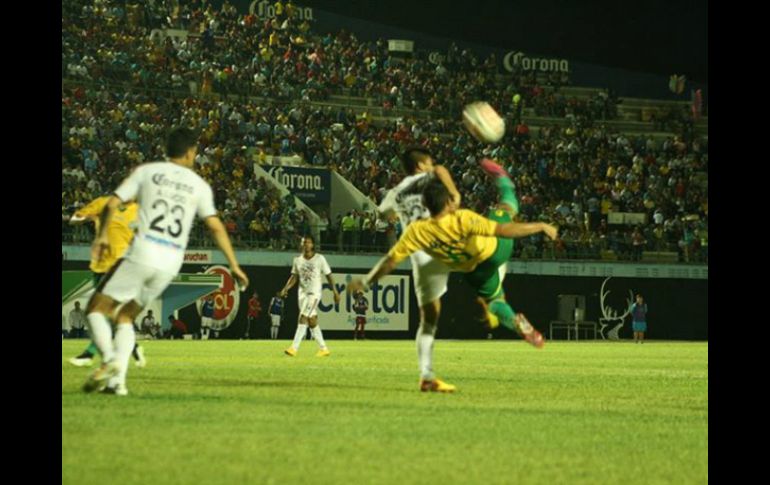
(119, 233)
(468, 243)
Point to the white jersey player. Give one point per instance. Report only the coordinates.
(430, 276)
(170, 195)
(308, 269)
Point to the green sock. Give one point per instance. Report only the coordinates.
(92, 349)
(507, 193)
(504, 313)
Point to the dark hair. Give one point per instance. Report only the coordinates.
(180, 140)
(412, 156)
(435, 196)
(309, 236)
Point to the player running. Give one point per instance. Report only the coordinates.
(170, 194)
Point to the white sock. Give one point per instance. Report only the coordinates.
(298, 335)
(319, 336)
(425, 353)
(125, 339)
(101, 334)
(274, 333)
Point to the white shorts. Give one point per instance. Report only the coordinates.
(308, 305)
(206, 322)
(133, 281)
(276, 319)
(430, 277)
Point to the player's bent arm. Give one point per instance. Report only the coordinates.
(446, 178)
(219, 234)
(512, 230)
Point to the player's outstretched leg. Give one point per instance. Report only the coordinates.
(505, 186)
(499, 312)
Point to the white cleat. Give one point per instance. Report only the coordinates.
(81, 361)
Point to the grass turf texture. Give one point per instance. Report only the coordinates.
(231, 412)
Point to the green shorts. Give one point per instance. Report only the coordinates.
(487, 278)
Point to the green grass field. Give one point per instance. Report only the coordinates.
(237, 412)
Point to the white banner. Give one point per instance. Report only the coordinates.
(388, 304)
(398, 45)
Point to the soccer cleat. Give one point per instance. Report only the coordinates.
(323, 353)
(98, 379)
(490, 320)
(436, 385)
(290, 352)
(528, 332)
(493, 169)
(140, 360)
(119, 390)
(81, 361)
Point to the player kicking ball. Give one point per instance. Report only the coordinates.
(307, 269)
(468, 243)
(170, 194)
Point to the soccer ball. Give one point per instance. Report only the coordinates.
(483, 122)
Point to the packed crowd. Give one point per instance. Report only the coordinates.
(574, 174)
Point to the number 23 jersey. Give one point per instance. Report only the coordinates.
(169, 197)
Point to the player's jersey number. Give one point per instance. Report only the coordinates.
(175, 214)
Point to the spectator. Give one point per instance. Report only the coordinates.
(276, 314)
(207, 317)
(77, 321)
(323, 223)
(349, 226)
(639, 319)
(255, 309)
(638, 242)
(149, 326)
(178, 328)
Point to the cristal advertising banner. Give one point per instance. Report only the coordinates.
(311, 185)
(388, 304)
